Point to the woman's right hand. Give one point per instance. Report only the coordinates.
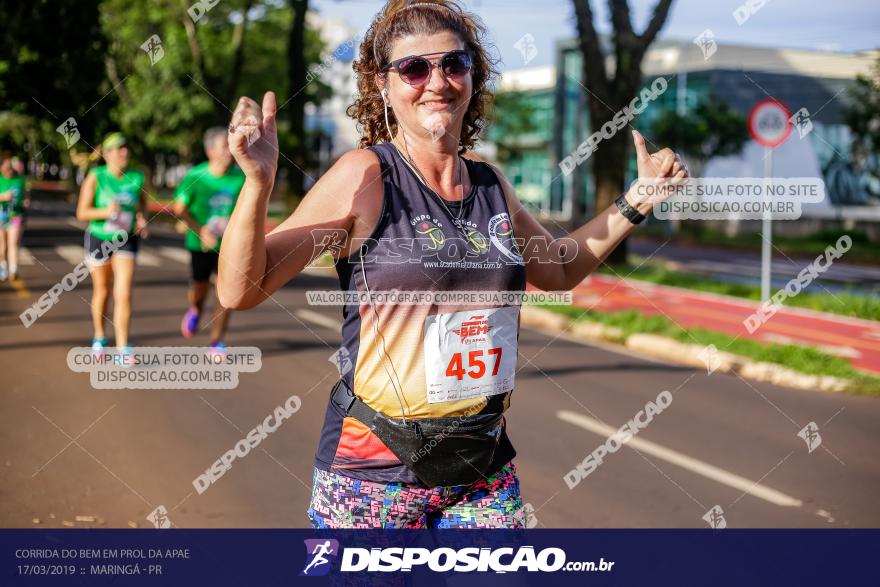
(253, 139)
(207, 238)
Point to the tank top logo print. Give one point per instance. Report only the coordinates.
(477, 243)
(430, 231)
(469, 242)
(501, 235)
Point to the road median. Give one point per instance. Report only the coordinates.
(777, 364)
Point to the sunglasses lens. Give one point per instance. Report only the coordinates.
(456, 64)
(414, 71)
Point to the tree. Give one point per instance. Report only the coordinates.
(51, 54)
(296, 75)
(610, 93)
(712, 129)
(862, 115)
(513, 117)
(177, 72)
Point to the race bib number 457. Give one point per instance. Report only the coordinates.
(470, 354)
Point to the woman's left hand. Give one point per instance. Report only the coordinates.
(656, 166)
(665, 164)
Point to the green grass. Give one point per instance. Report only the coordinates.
(796, 357)
(843, 304)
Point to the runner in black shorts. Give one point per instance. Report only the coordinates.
(204, 201)
(203, 264)
(113, 201)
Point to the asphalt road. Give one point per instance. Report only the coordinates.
(113, 456)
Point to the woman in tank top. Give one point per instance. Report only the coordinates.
(408, 213)
(113, 201)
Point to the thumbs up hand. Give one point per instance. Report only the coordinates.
(665, 164)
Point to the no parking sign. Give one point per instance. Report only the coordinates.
(769, 123)
(769, 126)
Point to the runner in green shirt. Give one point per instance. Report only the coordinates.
(204, 201)
(12, 206)
(113, 200)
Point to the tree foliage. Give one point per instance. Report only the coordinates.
(862, 115)
(89, 60)
(712, 129)
(51, 68)
(518, 120)
(237, 47)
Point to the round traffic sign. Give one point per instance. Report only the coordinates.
(769, 123)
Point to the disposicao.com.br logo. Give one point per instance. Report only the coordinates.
(441, 559)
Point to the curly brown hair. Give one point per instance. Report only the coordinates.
(395, 22)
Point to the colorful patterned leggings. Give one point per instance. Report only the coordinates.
(342, 502)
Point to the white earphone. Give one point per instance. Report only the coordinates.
(384, 92)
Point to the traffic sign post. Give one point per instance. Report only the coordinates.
(769, 126)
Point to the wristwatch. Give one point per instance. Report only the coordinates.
(628, 211)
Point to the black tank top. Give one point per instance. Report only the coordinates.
(426, 360)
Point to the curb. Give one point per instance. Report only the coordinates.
(691, 355)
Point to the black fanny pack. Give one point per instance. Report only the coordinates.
(442, 452)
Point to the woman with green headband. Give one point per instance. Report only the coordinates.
(113, 201)
(12, 210)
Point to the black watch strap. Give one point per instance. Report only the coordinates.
(628, 211)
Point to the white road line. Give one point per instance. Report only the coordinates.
(73, 254)
(319, 319)
(148, 259)
(686, 462)
(175, 254)
(25, 257)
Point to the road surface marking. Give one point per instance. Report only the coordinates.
(73, 254)
(25, 257)
(686, 462)
(175, 254)
(148, 259)
(319, 319)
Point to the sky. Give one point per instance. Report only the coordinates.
(843, 25)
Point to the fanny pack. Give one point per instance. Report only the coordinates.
(441, 452)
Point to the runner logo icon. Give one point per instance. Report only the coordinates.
(317, 551)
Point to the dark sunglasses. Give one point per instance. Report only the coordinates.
(416, 70)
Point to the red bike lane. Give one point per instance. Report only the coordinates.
(855, 339)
